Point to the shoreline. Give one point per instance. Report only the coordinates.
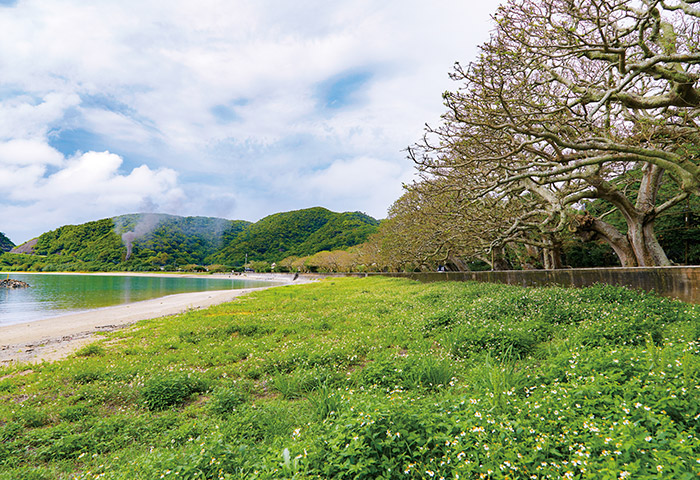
(54, 338)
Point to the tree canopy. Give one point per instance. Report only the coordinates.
(296, 233)
(567, 98)
(5, 243)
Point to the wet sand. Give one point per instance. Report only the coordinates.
(54, 338)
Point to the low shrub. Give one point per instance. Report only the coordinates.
(85, 375)
(91, 350)
(164, 391)
(28, 473)
(224, 400)
(74, 413)
(31, 417)
(429, 372)
(385, 372)
(302, 381)
(326, 402)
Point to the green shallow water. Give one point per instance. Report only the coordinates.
(54, 295)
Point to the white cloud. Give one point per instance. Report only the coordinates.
(143, 79)
(24, 117)
(28, 152)
(15, 180)
(86, 187)
(366, 181)
(120, 128)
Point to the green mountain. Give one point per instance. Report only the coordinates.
(92, 242)
(156, 241)
(160, 240)
(5, 243)
(299, 233)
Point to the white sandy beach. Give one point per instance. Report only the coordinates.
(53, 338)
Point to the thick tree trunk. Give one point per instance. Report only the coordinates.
(589, 228)
(551, 253)
(455, 263)
(552, 258)
(646, 247)
(499, 260)
(640, 228)
(639, 247)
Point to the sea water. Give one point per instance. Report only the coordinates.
(51, 295)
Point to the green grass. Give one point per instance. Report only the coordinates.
(372, 378)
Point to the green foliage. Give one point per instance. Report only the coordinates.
(380, 441)
(167, 390)
(431, 373)
(5, 243)
(372, 378)
(31, 417)
(225, 400)
(29, 473)
(296, 233)
(90, 350)
(326, 402)
(301, 382)
(403, 373)
(499, 377)
(261, 266)
(92, 242)
(678, 232)
(578, 254)
(169, 240)
(74, 413)
(88, 374)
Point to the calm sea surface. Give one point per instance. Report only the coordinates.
(53, 295)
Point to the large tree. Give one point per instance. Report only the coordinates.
(433, 224)
(567, 97)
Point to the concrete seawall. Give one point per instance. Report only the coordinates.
(682, 283)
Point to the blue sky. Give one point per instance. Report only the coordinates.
(228, 108)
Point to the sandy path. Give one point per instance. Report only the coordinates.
(54, 338)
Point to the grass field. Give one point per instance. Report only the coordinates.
(368, 379)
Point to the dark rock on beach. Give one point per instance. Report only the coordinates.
(11, 283)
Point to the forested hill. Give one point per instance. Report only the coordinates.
(162, 240)
(5, 243)
(155, 241)
(296, 233)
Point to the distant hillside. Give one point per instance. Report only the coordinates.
(300, 233)
(92, 242)
(156, 241)
(5, 243)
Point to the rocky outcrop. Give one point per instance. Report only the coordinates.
(11, 283)
(26, 247)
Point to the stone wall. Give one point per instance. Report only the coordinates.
(682, 283)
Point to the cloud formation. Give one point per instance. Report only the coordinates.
(230, 108)
(80, 188)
